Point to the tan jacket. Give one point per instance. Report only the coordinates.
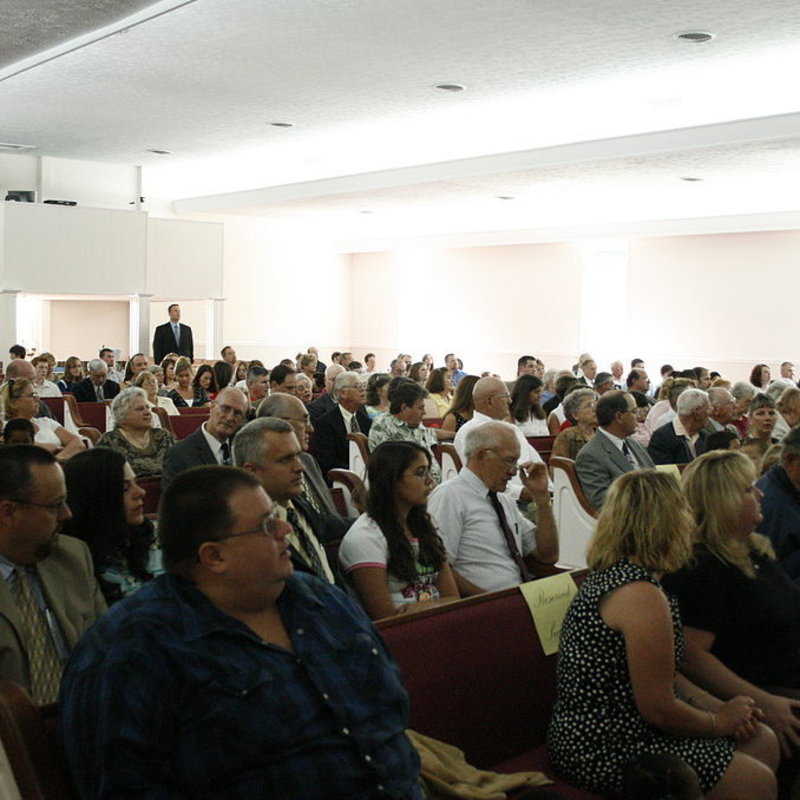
(72, 593)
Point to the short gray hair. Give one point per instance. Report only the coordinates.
(690, 400)
(719, 395)
(301, 376)
(250, 444)
(121, 404)
(742, 389)
(574, 399)
(96, 365)
(777, 387)
(276, 405)
(345, 380)
(484, 436)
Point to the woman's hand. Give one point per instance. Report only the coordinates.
(737, 717)
(780, 713)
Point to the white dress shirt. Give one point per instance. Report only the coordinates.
(214, 444)
(527, 452)
(618, 443)
(347, 416)
(471, 531)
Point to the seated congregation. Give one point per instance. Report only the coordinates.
(223, 608)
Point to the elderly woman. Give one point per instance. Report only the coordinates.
(143, 446)
(761, 422)
(304, 388)
(741, 612)
(19, 399)
(620, 691)
(147, 381)
(580, 407)
(107, 508)
(526, 406)
(186, 394)
(43, 383)
(743, 393)
(760, 376)
(307, 365)
(788, 407)
(73, 373)
(554, 407)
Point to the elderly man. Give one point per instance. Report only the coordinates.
(683, 438)
(106, 355)
(743, 392)
(403, 423)
(19, 368)
(780, 505)
(611, 452)
(315, 490)
(603, 382)
(48, 594)
(233, 675)
(325, 402)
(257, 386)
(490, 545)
(398, 368)
(211, 442)
(490, 399)
(283, 379)
(96, 387)
(722, 409)
(787, 370)
(329, 443)
(617, 370)
(269, 449)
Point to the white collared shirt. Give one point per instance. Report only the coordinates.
(346, 416)
(527, 452)
(471, 531)
(677, 426)
(213, 443)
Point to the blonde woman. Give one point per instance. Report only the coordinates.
(148, 382)
(619, 689)
(19, 400)
(740, 610)
(185, 394)
(73, 374)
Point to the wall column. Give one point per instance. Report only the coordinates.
(139, 334)
(214, 326)
(9, 320)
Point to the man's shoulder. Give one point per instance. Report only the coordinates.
(593, 449)
(664, 432)
(70, 553)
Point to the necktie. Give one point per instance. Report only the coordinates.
(226, 454)
(312, 556)
(177, 331)
(100, 395)
(310, 494)
(354, 425)
(626, 451)
(43, 661)
(509, 537)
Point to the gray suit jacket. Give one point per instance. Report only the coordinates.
(73, 595)
(600, 461)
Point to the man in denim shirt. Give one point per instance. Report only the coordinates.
(232, 677)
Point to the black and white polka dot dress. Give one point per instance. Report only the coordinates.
(596, 727)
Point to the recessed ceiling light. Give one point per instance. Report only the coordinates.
(159, 152)
(365, 211)
(282, 124)
(16, 147)
(450, 87)
(695, 37)
(690, 179)
(505, 197)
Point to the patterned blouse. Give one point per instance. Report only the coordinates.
(144, 462)
(387, 428)
(200, 398)
(573, 439)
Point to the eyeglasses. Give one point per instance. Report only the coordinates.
(54, 507)
(269, 527)
(226, 409)
(509, 461)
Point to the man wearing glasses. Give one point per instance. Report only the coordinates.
(232, 676)
(48, 593)
(211, 442)
(490, 545)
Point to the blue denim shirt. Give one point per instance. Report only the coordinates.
(169, 697)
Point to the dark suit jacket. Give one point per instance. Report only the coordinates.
(600, 461)
(666, 447)
(84, 391)
(193, 451)
(336, 526)
(323, 534)
(67, 576)
(329, 443)
(164, 342)
(321, 406)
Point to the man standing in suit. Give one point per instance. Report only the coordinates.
(96, 388)
(173, 337)
(680, 440)
(48, 593)
(329, 443)
(611, 451)
(269, 449)
(211, 442)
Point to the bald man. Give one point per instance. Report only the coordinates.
(323, 404)
(491, 398)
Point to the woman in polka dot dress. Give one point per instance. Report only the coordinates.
(619, 691)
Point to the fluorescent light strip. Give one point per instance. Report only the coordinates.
(134, 20)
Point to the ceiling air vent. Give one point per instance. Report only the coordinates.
(697, 37)
(15, 148)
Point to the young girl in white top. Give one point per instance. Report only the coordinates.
(392, 554)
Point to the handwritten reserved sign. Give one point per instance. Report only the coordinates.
(548, 599)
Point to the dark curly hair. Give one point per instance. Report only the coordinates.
(387, 463)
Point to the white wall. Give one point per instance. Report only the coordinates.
(488, 304)
(89, 183)
(82, 327)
